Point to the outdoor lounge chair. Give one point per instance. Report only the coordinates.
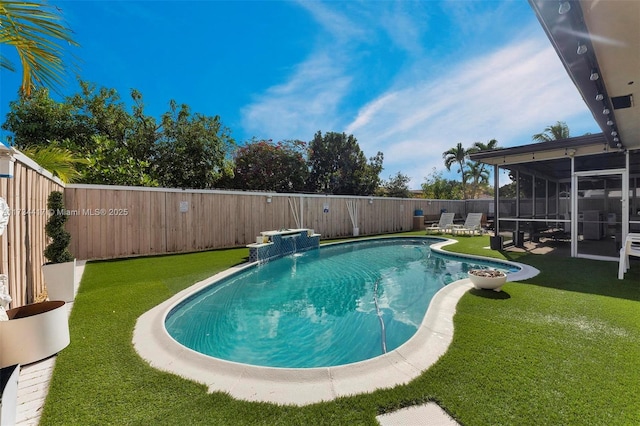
(631, 247)
(471, 225)
(445, 223)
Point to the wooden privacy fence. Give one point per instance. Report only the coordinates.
(110, 222)
(24, 240)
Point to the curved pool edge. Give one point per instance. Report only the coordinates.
(308, 385)
(525, 271)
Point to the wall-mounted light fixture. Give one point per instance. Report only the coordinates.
(582, 49)
(370, 200)
(268, 199)
(564, 7)
(571, 152)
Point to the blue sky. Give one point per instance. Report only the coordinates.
(410, 79)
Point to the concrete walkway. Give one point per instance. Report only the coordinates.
(429, 414)
(33, 382)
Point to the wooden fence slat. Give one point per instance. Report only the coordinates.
(155, 224)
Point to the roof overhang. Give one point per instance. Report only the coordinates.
(552, 159)
(610, 32)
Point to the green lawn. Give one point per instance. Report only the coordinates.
(561, 348)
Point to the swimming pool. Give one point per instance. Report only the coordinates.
(303, 386)
(336, 305)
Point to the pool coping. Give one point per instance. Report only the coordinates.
(308, 385)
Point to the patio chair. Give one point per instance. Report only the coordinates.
(445, 223)
(631, 247)
(472, 224)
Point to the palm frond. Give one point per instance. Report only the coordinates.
(6, 64)
(61, 162)
(38, 34)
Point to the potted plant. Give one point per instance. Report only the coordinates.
(30, 333)
(33, 332)
(490, 279)
(59, 273)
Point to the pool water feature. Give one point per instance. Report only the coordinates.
(272, 245)
(336, 305)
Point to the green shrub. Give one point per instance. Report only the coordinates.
(58, 250)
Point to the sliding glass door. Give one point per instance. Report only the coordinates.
(599, 214)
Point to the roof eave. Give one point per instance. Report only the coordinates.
(563, 31)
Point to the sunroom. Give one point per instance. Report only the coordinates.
(569, 191)
(584, 191)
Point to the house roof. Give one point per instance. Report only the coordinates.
(552, 159)
(610, 32)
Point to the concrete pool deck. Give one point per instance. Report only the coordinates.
(310, 385)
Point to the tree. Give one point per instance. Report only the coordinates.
(489, 146)
(92, 124)
(263, 165)
(397, 186)
(38, 119)
(61, 162)
(479, 146)
(478, 176)
(112, 164)
(192, 149)
(555, 132)
(457, 155)
(438, 188)
(123, 148)
(338, 166)
(35, 31)
(478, 172)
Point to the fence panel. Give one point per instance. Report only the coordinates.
(110, 221)
(24, 240)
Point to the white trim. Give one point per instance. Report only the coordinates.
(28, 162)
(231, 192)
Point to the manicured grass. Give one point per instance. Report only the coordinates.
(561, 348)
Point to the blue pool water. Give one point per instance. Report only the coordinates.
(330, 306)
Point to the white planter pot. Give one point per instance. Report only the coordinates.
(60, 279)
(33, 332)
(488, 283)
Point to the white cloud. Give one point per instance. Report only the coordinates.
(508, 95)
(338, 25)
(303, 105)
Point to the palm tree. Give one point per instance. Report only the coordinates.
(61, 162)
(478, 175)
(458, 155)
(555, 132)
(37, 34)
(479, 146)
